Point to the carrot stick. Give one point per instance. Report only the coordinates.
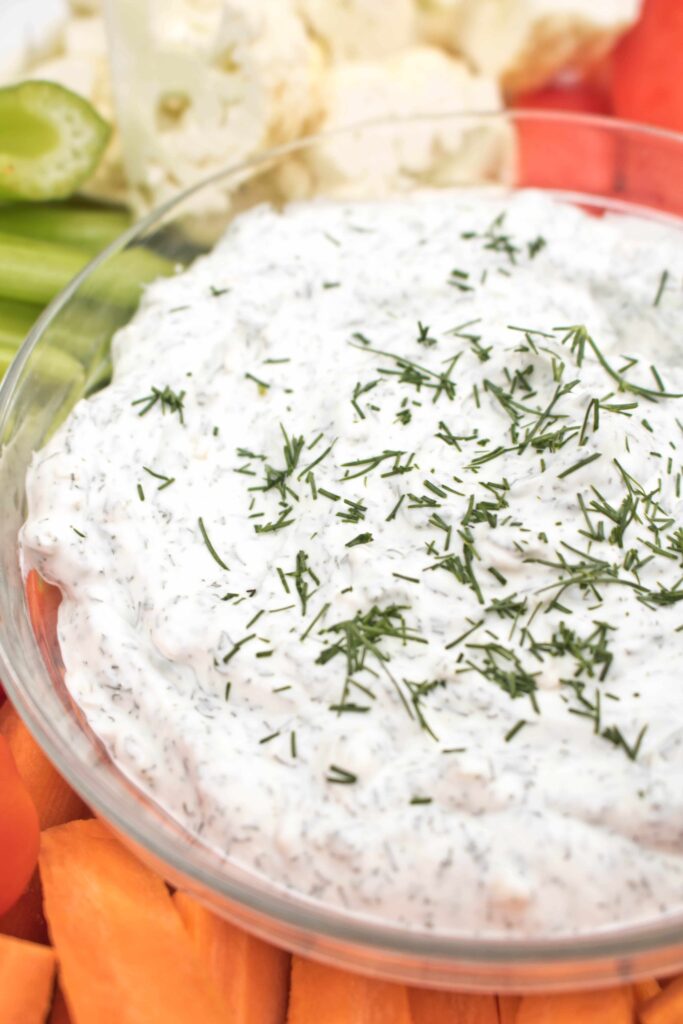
(55, 801)
(645, 990)
(607, 1006)
(665, 1008)
(507, 1009)
(26, 977)
(325, 995)
(251, 976)
(125, 957)
(59, 1014)
(430, 1007)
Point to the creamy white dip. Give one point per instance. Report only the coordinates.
(372, 552)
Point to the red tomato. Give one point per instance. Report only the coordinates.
(19, 831)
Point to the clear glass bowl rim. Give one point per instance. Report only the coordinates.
(615, 945)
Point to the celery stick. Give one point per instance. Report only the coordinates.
(35, 271)
(7, 354)
(51, 141)
(50, 366)
(87, 227)
(16, 319)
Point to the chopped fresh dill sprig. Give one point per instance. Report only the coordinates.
(211, 549)
(510, 607)
(661, 288)
(591, 654)
(316, 462)
(615, 736)
(301, 575)
(319, 615)
(445, 434)
(622, 517)
(423, 337)
(392, 514)
(278, 478)
(418, 692)
(515, 729)
(361, 636)
(579, 340)
(535, 246)
(353, 513)
(362, 389)
(78, 532)
(169, 400)
(462, 566)
(579, 465)
(368, 465)
(502, 666)
(362, 538)
(237, 647)
(263, 385)
(280, 523)
(409, 372)
(340, 776)
(167, 480)
(459, 279)
(418, 801)
(495, 239)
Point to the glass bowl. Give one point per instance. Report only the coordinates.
(601, 164)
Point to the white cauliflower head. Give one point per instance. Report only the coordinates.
(524, 43)
(393, 156)
(360, 29)
(201, 84)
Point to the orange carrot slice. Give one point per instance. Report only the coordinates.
(125, 957)
(55, 801)
(251, 976)
(608, 1006)
(59, 1014)
(430, 1007)
(665, 1008)
(26, 977)
(646, 990)
(325, 995)
(571, 157)
(507, 1009)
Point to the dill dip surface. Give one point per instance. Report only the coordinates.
(372, 558)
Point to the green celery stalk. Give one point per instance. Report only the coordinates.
(16, 319)
(35, 271)
(90, 228)
(51, 141)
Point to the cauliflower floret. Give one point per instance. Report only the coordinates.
(202, 85)
(438, 22)
(360, 29)
(381, 160)
(523, 43)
